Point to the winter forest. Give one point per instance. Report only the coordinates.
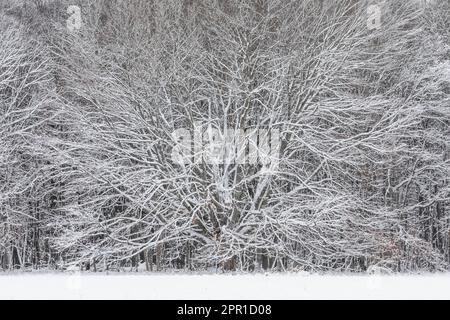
(102, 104)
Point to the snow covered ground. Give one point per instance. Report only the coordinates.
(182, 286)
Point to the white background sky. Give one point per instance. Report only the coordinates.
(291, 286)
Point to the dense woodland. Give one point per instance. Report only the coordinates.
(86, 120)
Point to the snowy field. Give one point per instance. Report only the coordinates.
(208, 287)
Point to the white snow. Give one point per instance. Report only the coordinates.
(208, 287)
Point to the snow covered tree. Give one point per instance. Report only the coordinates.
(243, 135)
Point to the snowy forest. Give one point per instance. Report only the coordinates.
(92, 91)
